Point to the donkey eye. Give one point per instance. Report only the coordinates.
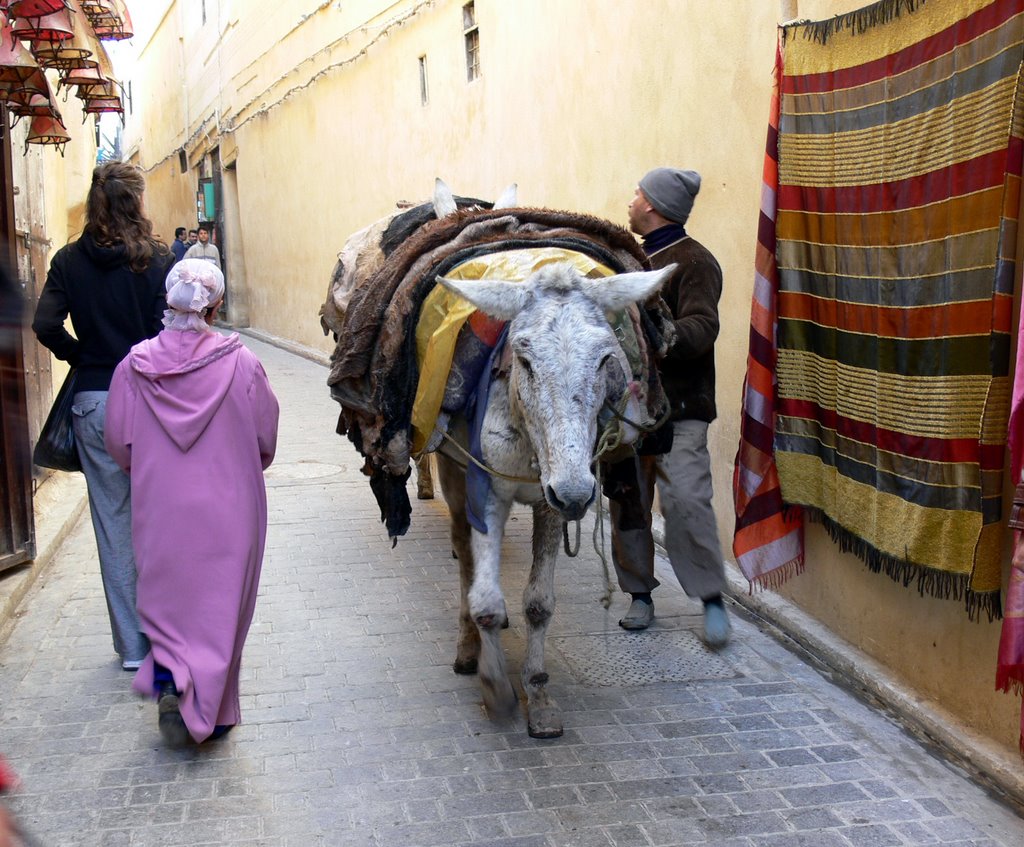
(525, 365)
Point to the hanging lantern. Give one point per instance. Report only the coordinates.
(104, 97)
(117, 29)
(74, 52)
(34, 97)
(31, 104)
(53, 27)
(16, 62)
(47, 129)
(36, 82)
(99, 8)
(82, 76)
(34, 8)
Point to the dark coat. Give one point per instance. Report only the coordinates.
(692, 294)
(112, 308)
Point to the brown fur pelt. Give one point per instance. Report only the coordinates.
(364, 320)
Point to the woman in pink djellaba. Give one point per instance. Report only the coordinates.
(192, 419)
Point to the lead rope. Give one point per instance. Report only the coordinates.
(610, 440)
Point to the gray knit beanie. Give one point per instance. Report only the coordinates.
(671, 192)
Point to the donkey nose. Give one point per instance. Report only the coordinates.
(570, 501)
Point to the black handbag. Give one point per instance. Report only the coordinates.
(56, 445)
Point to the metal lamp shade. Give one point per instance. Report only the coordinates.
(53, 27)
(116, 29)
(16, 62)
(74, 52)
(47, 129)
(30, 104)
(83, 76)
(34, 8)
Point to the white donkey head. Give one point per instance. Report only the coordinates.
(566, 360)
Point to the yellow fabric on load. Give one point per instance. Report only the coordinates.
(444, 313)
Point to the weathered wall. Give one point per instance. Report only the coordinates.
(318, 109)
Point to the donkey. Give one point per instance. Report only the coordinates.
(540, 423)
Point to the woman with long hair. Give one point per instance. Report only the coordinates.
(111, 282)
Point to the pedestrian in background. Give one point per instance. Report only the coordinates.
(193, 419)
(111, 282)
(204, 249)
(178, 246)
(193, 237)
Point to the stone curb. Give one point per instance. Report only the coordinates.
(58, 504)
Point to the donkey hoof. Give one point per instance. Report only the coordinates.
(466, 667)
(499, 697)
(544, 723)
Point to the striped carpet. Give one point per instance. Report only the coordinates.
(899, 162)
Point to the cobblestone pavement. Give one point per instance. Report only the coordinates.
(356, 731)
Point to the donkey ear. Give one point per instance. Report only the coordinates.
(615, 293)
(495, 297)
(509, 198)
(444, 202)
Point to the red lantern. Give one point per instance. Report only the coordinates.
(34, 8)
(53, 27)
(47, 129)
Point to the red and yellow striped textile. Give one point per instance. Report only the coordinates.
(768, 543)
(898, 191)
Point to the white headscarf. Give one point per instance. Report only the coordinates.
(192, 285)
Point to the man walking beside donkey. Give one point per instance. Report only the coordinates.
(682, 466)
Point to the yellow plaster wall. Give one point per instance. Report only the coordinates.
(577, 99)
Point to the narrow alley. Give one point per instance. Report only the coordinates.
(357, 732)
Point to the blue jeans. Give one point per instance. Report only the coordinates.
(111, 508)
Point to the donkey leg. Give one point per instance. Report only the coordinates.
(543, 716)
(453, 486)
(487, 606)
(424, 478)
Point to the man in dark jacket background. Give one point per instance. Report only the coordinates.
(179, 246)
(658, 213)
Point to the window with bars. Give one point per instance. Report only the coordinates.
(471, 33)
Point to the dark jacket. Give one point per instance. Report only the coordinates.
(179, 249)
(112, 308)
(692, 294)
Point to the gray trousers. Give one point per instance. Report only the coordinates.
(111, 508)
(691, 532)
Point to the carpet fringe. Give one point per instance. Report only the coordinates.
(859, 21)
(939, 584)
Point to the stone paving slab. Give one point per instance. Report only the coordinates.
(356, 731)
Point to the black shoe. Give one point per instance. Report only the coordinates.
(169, 719)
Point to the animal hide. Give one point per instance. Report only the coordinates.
(374, 371)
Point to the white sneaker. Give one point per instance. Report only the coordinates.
(131, 664)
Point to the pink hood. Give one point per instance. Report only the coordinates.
(185, 376)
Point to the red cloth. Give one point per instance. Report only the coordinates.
(7, 778)
(769, 538)
(1010, 665)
